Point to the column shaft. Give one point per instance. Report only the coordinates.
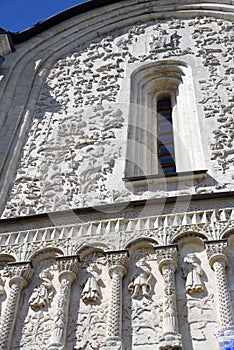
(117, 261)
(167, 260)
(69, 270)
(114, 327)
(21, 273)
(217, 255)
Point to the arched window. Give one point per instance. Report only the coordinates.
(163, 130)
(165, 139)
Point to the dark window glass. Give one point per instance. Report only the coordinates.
(165, 136)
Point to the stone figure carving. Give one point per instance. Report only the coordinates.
(140, 285)
(2, 283)
(91, 285)
(43, 294)
(192, 272)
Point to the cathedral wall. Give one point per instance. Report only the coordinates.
(99, 250)
(74, 133)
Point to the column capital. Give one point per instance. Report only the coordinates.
(217, 251)
(68, 267)
(117, 261)
(20, 272)
(167, 256)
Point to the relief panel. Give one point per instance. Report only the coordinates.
(89, 304)
(76, 146)
(143, 301)
(37, 309)
(197, 298)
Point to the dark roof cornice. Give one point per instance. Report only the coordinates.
(41, 26)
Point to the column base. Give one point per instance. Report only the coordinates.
(56, 346)
(170, 341)
(225, 337)
(112, 344)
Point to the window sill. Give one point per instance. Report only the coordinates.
(141, 181)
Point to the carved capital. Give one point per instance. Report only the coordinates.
(114, 343)
(217, 251)
(20, 272)
(170, 342)
(167, 256)
(68, 267)
(117, 261)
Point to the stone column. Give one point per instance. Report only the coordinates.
(68, 270)
(117, 261)
(216, 252)
(20, 273)
(167, 260)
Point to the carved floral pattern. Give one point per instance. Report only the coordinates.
(75, 143)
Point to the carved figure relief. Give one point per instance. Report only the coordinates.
(73, 147)
(91, 286)
(192, 272)
(2, 284)
(44, 293)
(140, 285)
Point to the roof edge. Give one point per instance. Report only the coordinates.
(19, 37)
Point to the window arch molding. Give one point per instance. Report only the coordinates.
(149, 83)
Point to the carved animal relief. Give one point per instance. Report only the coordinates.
(75, 147)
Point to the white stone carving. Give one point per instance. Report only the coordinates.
(75, 137)
(216, 252)
(91, 286)
(140, 285)
(2, 284)
(167, 259)
(36, 331)
(192, 272)
(117, 269)
(91, 327)
(21, 273)
(44, 293)
(68, 267)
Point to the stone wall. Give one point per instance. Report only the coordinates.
(97, 249)
(87, 118)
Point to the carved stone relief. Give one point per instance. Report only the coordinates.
(75, 145)
(197, 298)
(212, 38)
(36, 315)
(140, 285)
(143, 301)
(43, 294)
(89, 304)
(192, 272)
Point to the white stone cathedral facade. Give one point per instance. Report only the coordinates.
(116, 178)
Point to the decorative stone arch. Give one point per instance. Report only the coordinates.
(86, 249)
(228, 233)
(5, 258)
(45, 253)
(148, 83)
(190, 235)
(141, 242)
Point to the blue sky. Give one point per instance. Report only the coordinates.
(17, 15)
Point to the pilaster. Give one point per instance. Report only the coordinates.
(167, 261)
(117, 261)
(20, 273)
(68, 270)
(217, 255)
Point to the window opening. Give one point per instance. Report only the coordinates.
(165, 140)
